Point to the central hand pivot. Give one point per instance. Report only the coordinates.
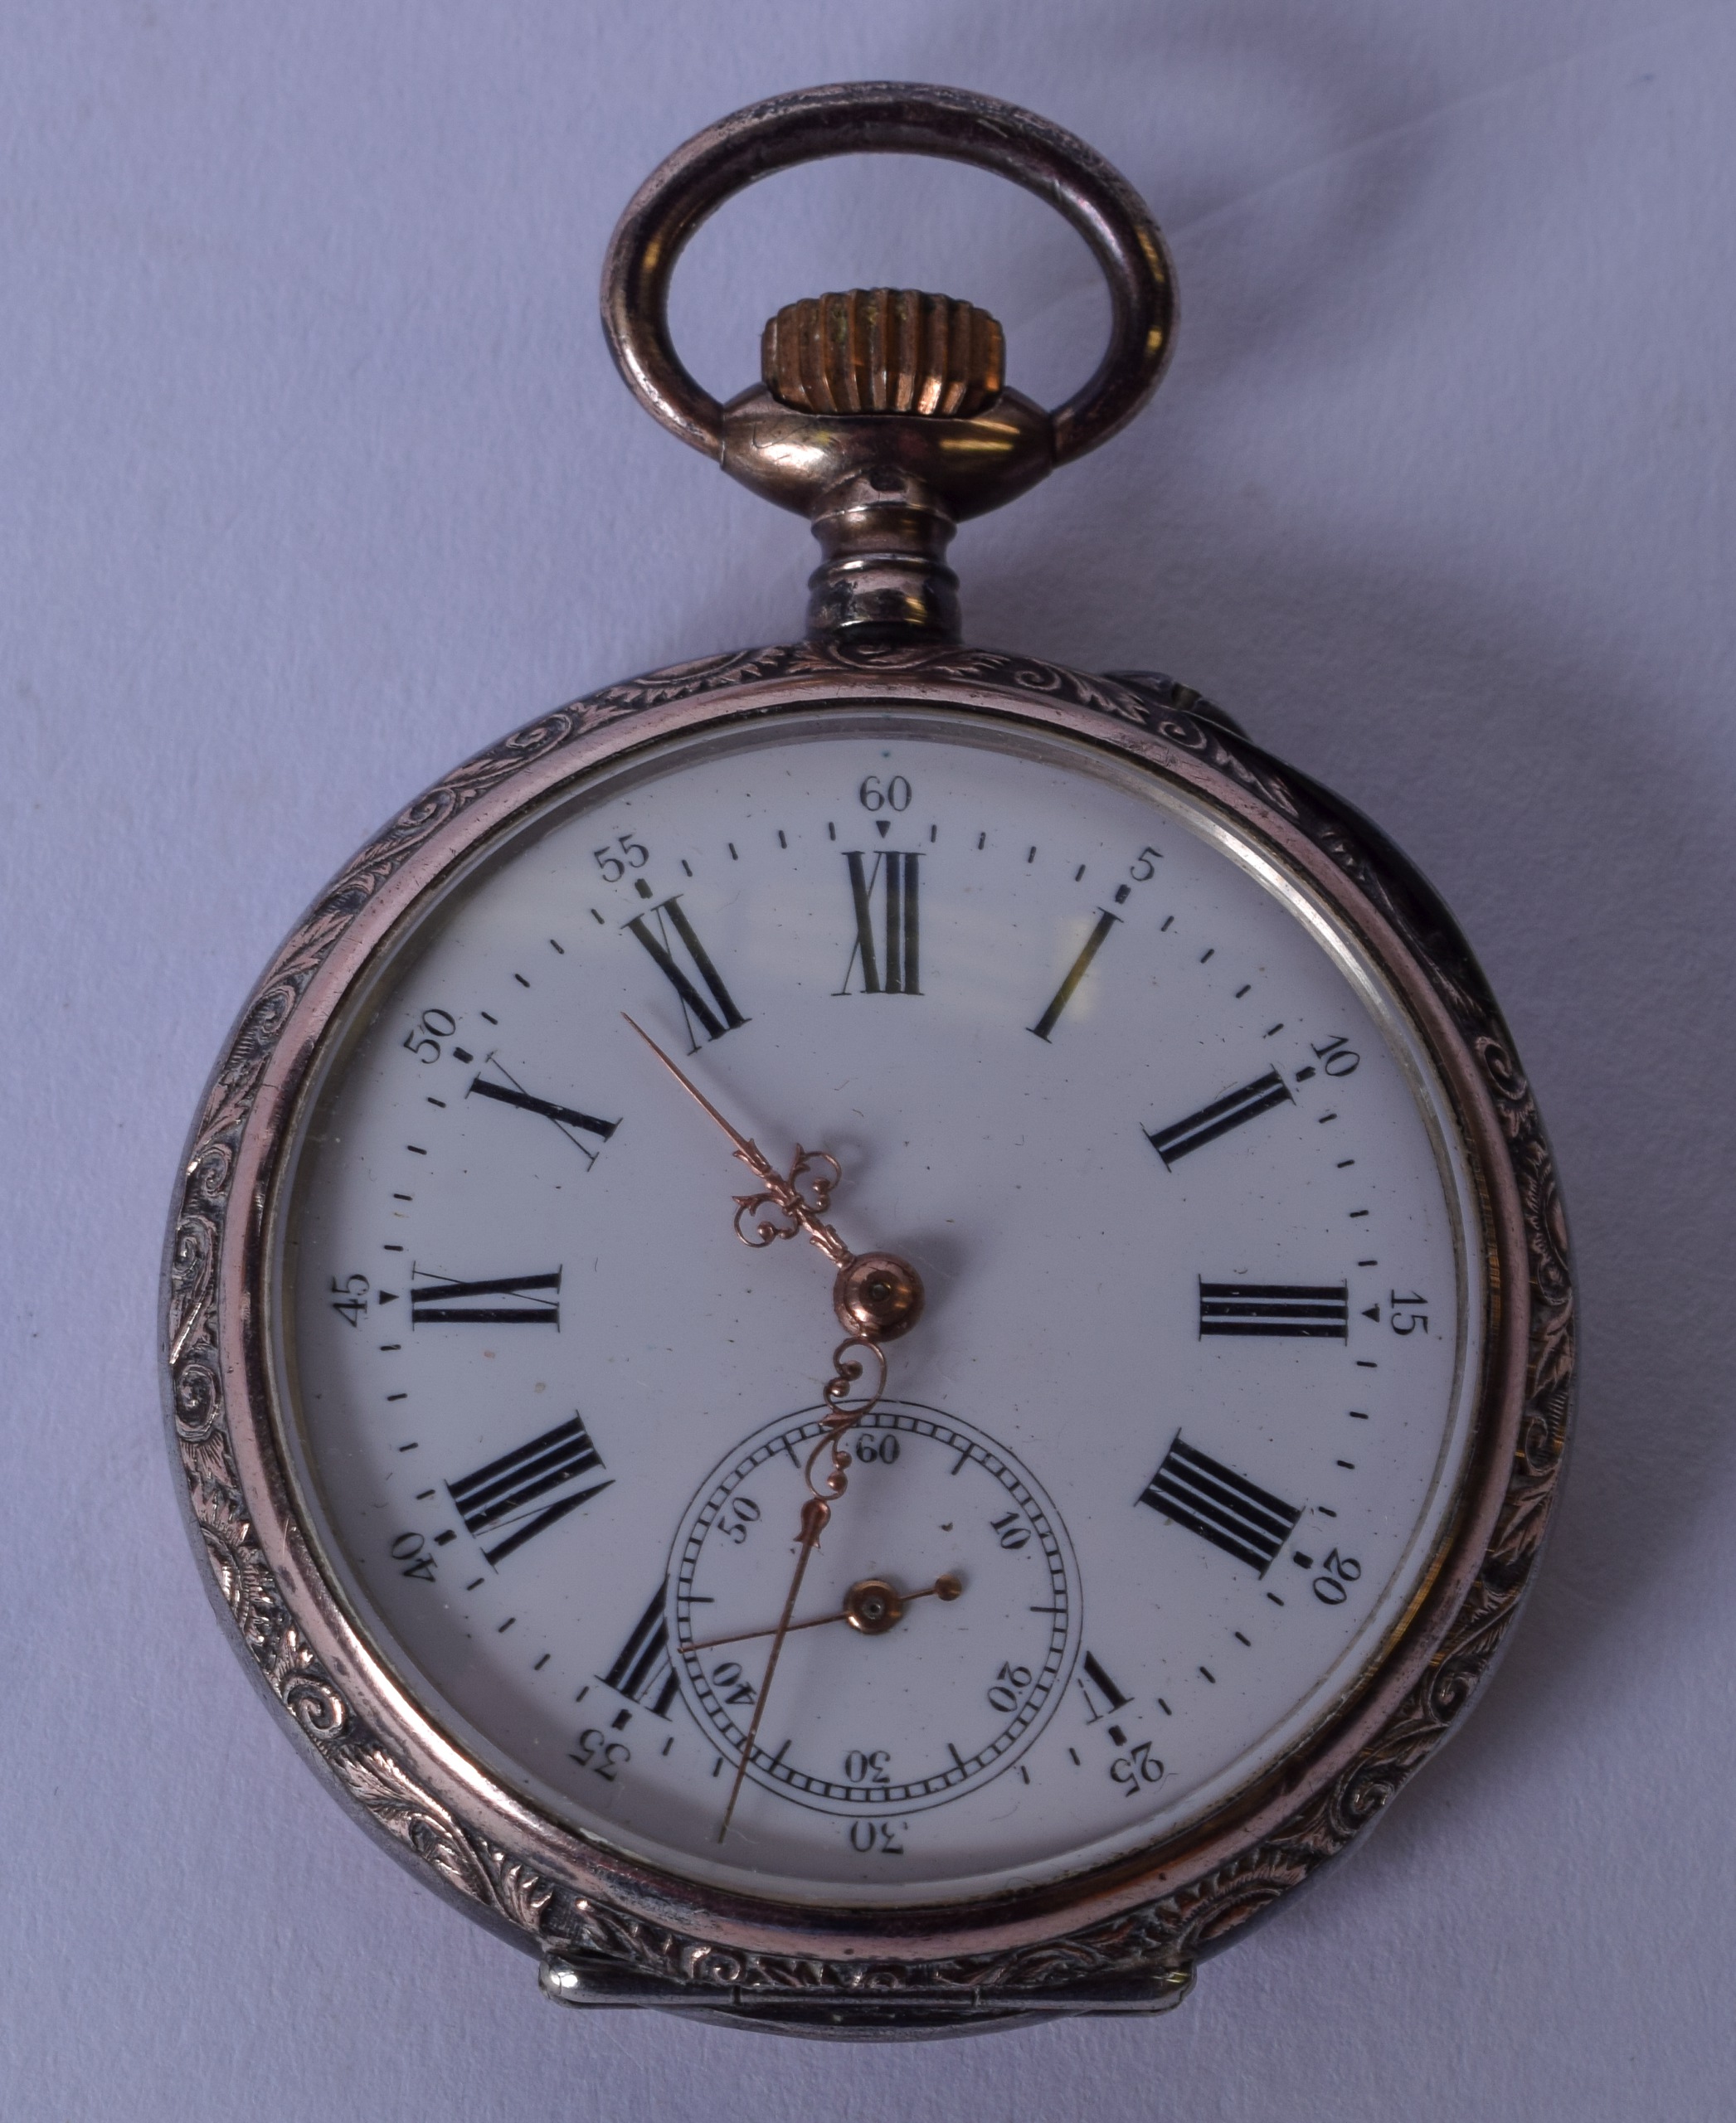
(876, 1296)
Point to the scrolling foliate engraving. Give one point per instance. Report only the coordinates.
(1163, 1937)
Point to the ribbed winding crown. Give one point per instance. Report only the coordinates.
(883, 350)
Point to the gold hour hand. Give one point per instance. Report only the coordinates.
(876, 1296)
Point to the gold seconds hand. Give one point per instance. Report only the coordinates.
(815, 1513)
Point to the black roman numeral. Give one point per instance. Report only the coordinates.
(501, 1492)
(1101, 1695)
(1220, 1117)
(565, 1118)
(443, 1301)
(643, 1673)
(714, 1017)
(1223, 1508)
(1075, 974)
(1299, 1312)
(890, 965)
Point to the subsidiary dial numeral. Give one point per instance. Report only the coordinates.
(1181, 1137)
(714, 1017)
(1221, 1506)
(643, 1672)
(1300, 1312)
(886, 951)
(500, 1494)
(443, 1301)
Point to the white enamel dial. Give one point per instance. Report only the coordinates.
(1183, 1416)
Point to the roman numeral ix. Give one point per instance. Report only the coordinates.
(443, 1301)
(644, 1672)
(1300, 1312)
(1221, 1507)
(714, 1017)
(889, 961)
(501, 1492)
(1220, 1117)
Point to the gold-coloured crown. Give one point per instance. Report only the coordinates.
(883, 350)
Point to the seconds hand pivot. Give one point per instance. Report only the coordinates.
(871, 1607)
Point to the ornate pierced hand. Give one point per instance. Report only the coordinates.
(876, 1296)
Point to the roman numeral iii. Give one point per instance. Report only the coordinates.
(675, 937)
(443, 1301)
(1300, 1312)
(501, 1493)
(1181, 1137)
(643, 1672)
(1221, 1506)
(886, 949)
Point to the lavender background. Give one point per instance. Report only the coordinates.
(314, 477)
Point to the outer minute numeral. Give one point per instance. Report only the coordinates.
(1303, 1312)
(502, 1492)
(443, 1301)
(886, 949)
(1230, 1111)
(1221, 1506)
(1075, 974)
(714, 1017)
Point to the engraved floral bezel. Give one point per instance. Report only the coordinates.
(557, 1893)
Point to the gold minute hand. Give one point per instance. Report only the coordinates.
(781, 1192)
(876, 1296)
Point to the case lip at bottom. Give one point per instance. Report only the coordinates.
(543, 1886)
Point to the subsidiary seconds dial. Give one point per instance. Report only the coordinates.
(857, 1728)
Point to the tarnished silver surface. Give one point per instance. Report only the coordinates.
(564, 1896)
(884, 489)
(905, 117)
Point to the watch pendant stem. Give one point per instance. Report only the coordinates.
(884, 576)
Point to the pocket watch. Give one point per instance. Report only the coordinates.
(868, 1337)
